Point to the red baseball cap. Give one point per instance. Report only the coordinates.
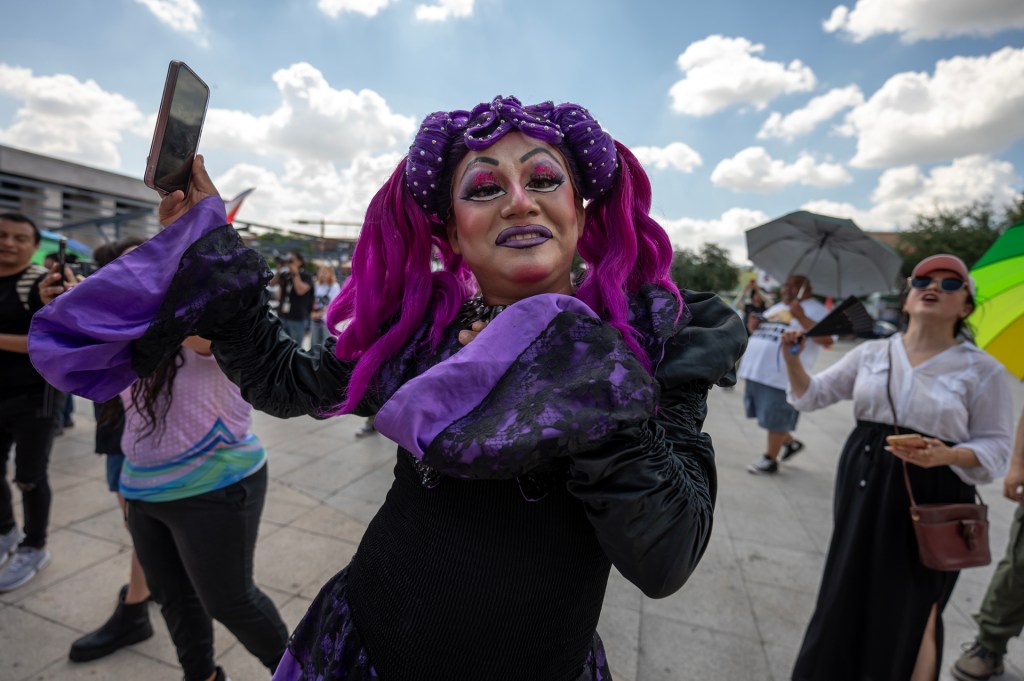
(945, 261)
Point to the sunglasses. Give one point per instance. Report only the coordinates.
(947, 284)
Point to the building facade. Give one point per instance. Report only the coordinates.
(88, 204)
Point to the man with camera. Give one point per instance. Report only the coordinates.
(295, 296)
(29, 407)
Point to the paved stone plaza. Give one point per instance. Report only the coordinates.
(741, 616)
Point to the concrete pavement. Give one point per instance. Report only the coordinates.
(740, 617)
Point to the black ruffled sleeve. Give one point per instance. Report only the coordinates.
(273, 373)
(649, 491)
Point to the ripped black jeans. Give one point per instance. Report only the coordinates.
(28, 423)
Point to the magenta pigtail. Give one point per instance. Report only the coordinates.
(624, 248)
(392, 286)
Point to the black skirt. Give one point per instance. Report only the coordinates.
(875, 594)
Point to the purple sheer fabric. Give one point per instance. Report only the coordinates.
(82, 341)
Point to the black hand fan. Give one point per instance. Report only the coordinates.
(849, 318)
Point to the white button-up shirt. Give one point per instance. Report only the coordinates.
(960, 395)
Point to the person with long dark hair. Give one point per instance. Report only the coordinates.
(879, 609)
(195, 480)
(549, 422)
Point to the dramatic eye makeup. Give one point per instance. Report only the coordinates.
(545, 177)
(480, 186)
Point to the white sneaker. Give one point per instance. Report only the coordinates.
(23, 567)
(8, 543)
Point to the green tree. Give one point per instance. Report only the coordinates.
(710, 269)
(966, 232)
(1014, 214)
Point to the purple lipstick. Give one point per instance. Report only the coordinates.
(523, 236)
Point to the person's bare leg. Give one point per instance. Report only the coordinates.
(775, 442)
(927, 667)
(138, 590)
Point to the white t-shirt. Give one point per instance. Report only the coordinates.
(762, 362)
(960, 395)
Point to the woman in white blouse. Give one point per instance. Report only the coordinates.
(878, 614)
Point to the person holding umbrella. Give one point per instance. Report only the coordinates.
(879, 609)
(764, 393)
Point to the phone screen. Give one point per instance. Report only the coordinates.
(179, 125)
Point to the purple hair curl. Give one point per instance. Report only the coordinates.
(392, 284)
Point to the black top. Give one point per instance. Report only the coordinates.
(295, 306)
(15, 367)
(485, 568)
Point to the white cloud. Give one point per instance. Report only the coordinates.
(754, 170)
(925, 19)
(309, 190)
(970, 105)
(818, 110)
(445, 9)
(313, 122)
(370, 8)
(726, 231)
(676, 155)
(724, 71)
(904, 192)
(60, 115)
(181, 15)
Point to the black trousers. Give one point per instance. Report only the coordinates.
(197, 554)
(28, 423)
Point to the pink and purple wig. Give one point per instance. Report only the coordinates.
(393, 287)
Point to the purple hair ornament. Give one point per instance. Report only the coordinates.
(568, 127)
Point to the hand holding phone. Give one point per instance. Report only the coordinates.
(908, 441)
(179, 124)
(62, 256)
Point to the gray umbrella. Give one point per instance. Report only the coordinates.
(836, 256)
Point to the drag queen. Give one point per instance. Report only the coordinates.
(548, 423)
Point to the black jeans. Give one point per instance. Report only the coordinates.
(28, 422)
(197, 554)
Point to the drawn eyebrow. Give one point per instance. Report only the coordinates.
(539, 150)
(479, 159)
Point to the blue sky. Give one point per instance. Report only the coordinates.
(742, 111)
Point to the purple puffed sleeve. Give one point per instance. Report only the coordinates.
(82, 341)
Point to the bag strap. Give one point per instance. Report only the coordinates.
(896, 431)
(895, 427)
(26, 281)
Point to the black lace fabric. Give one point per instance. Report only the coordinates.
(217, 277)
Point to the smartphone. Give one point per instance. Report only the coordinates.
(62, 256)
(910, 440)
(179, 122)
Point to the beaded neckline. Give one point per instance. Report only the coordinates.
(476, 310)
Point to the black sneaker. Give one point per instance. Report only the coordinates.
(762, 466)
(791, 449)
